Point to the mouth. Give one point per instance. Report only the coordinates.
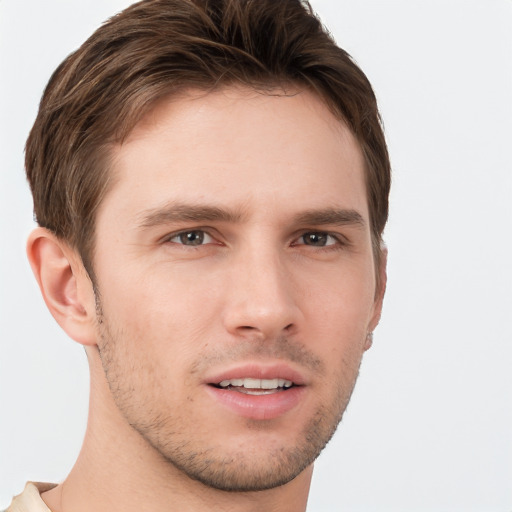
(251, 386)
(258, 392)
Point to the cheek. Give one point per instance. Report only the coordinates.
(344, 298)
(136, 292)
(337, 315)
(160, 317)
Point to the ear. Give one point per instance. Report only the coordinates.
(379, 296)
(64, 284)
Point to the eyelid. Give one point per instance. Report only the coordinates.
(175, 234)
(340, 240)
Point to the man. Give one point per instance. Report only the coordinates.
(211, 183)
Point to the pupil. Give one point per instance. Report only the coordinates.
(315, 239)
(192, 238)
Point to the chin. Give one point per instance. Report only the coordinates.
(245, 474)
(261, 460)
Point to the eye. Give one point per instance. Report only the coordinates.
(317, 239)
(191, 238)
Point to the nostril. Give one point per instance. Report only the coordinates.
(250, 328)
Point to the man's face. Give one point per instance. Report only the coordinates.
(236, 282)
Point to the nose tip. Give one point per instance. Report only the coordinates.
(262, 307)
(246, 319)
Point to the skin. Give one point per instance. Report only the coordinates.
(280, 272)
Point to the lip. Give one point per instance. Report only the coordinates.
(258, 407)
(258, 371)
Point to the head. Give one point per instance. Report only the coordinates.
(219, 170)
(157, 49)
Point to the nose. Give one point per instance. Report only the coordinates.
(261, 297)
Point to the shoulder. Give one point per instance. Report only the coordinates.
(30, 499)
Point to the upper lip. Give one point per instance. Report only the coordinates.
(258, 371)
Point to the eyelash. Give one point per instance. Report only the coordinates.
(337, 240)
(202, 232)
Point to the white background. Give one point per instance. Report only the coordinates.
(429, 427)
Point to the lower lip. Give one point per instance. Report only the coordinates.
(258, 407)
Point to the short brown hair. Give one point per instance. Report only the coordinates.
(157, 48)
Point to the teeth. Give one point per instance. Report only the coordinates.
(257, 383)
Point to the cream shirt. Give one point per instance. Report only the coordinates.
(30, 499)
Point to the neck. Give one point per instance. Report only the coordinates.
(117, 469)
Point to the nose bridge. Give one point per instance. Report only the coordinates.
(261, 296)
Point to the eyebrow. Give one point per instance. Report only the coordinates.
(186, 212)
(179, 212)
(331, 216)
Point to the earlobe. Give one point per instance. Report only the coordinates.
(368, 342)
(64, 284)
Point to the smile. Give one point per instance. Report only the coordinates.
(251, 386)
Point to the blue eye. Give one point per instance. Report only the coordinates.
(191, 238)
(318, 239)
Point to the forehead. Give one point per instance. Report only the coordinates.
(239, 147)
